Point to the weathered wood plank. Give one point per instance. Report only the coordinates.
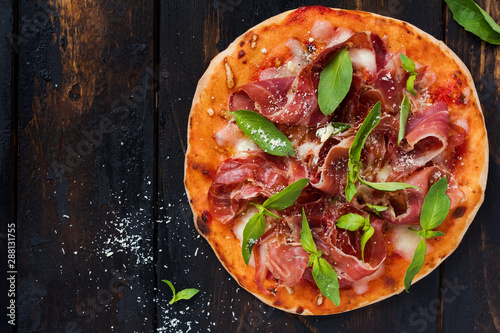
(86, 167)
(474, 267)
(7, 147)
(187, 259)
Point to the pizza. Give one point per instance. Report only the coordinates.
(380, 125)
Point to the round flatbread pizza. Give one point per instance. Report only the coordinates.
(335, 157)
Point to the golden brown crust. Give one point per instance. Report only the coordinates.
(256, 50)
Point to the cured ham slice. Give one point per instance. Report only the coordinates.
(427, 135)
(241, 179)
(330, 177)
(405, 206)
(293, 101)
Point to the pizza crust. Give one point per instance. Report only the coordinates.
(208, 116)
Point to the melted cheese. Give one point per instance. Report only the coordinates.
(405, 242)
(245, 144)
(322, 30)
(361, 286)
(304, 149)
(241, 221)
(228, 135)
(363, 58)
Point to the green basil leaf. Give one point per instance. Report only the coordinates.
(327, 280)
(408, 64)
(172, 288)
(351, 189)
(351, 221)
(474, 19)
(264, 133)
(334, 82)
(286, 197)
(428, 234)
(416, 263)
(269, 213)
(253, 231)
(403, 117)
(306, 238)
(410, 83)
(371, 120)
(377, 209)
(185, 294)
(387, 187)
(364, 238)
(339, 128)
(436, 205)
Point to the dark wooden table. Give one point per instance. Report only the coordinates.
(93, 114)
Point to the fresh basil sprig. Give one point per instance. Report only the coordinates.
(353, 222)
(409, 66)
(434, 210)
(264, 133)
(354, 163)
(377, 209)
(324, 275)
(387, 187)
(403, 117)
(334, 82)
(183, 294)
(474, 19)
(256, 226)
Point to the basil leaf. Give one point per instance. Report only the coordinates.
(313, 257)
(286, 197)
(253, 231)
(327, 280)
(377, 209)
(387, 187)
(408, 64)
(416, 263)
(351, 222)
(264, 133)
(306, 238)
(403, 117)
(474, 19)
(186, 294)
(410, 83)
(436, 205)
(183, 294)
(171, 287)
(371, 120)
(334, 82)
(428, 234)
(351, 189)
(364, 238)
(339, 128)
(269, 213)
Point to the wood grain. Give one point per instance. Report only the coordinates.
(475, 267)
(7, 150)
(86, 167)
(93, 157)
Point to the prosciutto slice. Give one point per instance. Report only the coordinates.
(287, 262)
(330, 176)
(405, 206)
(293, 100)
(240, 179)
(427, 133)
